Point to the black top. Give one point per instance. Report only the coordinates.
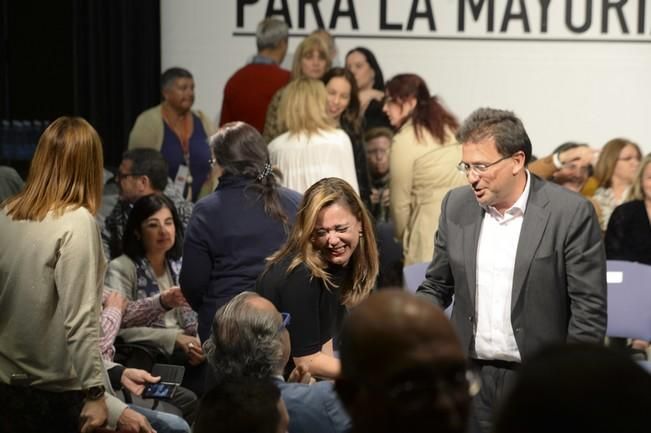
(628, 236)
(316, 311)
(375, 117)
(226, 243)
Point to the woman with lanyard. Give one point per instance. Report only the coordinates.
(179, 133)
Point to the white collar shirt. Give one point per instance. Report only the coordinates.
(496, 251)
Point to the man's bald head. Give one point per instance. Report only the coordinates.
(402, 366)
(391, 324)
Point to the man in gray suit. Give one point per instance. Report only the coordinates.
(522, 257)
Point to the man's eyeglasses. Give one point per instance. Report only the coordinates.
(287, 318)
(466, 168)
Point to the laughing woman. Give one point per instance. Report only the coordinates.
(329, 264)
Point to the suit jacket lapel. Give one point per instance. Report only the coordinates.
(533, 226)
(471, 229)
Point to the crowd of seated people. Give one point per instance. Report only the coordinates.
(250, 255)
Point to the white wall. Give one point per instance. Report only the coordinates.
(589, 86)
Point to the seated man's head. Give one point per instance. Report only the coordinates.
(248, 338)
(575, 171)
(577, 388)
(403, 368)
(242, 405)
(142, 172)
(378, 146)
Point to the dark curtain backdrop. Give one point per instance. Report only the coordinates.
(116, 66)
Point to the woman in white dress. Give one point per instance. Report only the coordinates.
(312, 148)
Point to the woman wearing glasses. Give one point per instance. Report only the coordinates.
(235, 228)
(424, 155)
(615, 173)
(329, 264)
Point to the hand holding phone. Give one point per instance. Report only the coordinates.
(159, 390)
(135, 380)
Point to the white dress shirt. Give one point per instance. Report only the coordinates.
(496, 251)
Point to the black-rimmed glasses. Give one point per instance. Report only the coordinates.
(466, 168)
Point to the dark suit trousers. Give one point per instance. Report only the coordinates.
(497, 379)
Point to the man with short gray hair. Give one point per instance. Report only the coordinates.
(247, 92)
(249, 339)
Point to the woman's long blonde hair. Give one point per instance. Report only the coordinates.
(303, 107)
(637, 191)
(65, 174)
(364, 261)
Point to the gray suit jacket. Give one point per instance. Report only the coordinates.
(559, 282)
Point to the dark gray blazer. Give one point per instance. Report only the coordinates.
(559, 283)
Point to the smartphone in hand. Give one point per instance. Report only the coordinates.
(161, 390)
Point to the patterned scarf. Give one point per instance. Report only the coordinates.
(147, 286)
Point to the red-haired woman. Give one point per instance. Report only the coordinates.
(424, 157)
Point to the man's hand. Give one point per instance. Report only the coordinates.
(93, 415)
(135, 380)
(132, 422)
(192, 347)
(173, 297)
(116, 300)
